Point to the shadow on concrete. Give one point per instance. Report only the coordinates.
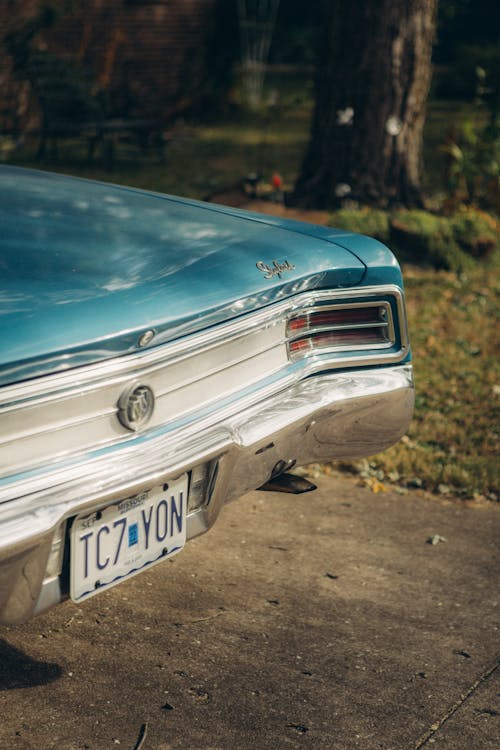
(21, 671)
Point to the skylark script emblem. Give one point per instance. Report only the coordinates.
(276, 269)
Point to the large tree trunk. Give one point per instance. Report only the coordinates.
(372, 81)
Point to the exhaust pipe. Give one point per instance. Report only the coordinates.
(288, 483)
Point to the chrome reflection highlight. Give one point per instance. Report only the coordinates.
(146, 338)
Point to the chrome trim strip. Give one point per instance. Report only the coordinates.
(338, 327)
(88, 375)
(35, 434)
(344, 306)
(237, 361)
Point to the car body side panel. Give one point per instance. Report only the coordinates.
(87, 267)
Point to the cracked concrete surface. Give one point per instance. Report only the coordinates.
(320, 621)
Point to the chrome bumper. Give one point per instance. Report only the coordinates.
(337, 415)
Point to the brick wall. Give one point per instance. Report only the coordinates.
(146, 56)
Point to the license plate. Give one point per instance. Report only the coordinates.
(126, 537)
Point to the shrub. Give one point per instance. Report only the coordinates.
(444, 242)
(373, 222)
(459, 80)
(426, 238)
(473, 167)
(476, 232)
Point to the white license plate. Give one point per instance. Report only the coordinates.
(127, 537)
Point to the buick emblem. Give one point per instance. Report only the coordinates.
(136, 406)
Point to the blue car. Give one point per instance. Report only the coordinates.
(160, 357)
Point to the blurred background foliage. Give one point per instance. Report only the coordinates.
(77, 88)
(198, 136)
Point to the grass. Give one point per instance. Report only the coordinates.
(452, 444)
(201, 159)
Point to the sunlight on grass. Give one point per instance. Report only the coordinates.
(453, 443)
(252, 136)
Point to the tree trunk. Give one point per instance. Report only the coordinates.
(372, 82)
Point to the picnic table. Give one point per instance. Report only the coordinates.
(103, 135)
(72, 106)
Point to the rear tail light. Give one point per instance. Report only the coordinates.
(347, 328)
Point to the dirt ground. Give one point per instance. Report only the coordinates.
(323, 621)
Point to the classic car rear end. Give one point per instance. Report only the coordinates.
(161, 357)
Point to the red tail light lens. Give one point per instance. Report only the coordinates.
(349, 327)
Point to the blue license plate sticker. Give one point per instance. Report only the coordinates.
(133, 534)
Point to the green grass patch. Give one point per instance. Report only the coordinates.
(452, 243)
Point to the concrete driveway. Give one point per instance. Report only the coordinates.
(322, 621)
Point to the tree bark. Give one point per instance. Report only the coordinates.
(372, 81)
